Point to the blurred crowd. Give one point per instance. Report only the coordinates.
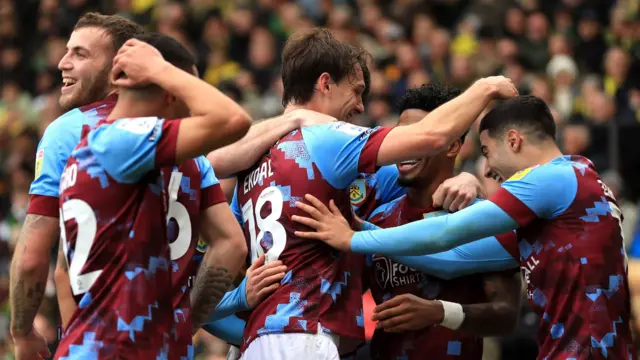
(580, 56)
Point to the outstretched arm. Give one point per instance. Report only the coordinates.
(485, 255)
(245, 152)
(433, 235)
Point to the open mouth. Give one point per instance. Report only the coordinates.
(408, 165)
(493, 175)
(68, 83)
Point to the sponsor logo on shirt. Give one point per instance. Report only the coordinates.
(39, 157)
(202, 246)
(390, 274)
(139, 126)
(357, 192)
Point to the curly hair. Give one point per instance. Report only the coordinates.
(427, 98)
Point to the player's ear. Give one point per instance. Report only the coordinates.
(514, 140)
(454, 148)
(324, 83)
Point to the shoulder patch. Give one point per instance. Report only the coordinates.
(434, 214)
(38, 167)
(202, 246)
(357, 192)
(138, 126)
(521, 174)
(347, 128)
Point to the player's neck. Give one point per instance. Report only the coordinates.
(541, 155)
(421, 195)
(127, 108)
(308, 106)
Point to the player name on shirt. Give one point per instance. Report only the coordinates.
(257, 176)
(69, 176)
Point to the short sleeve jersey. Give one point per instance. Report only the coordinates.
(113, 220)
(322, 287)
(572, 257)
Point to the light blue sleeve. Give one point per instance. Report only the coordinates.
(436, 234)
(387, 188)
(126, 149)
(335, 148)
(229, 329)
(235, 207)
(484, 255)
(548, 190)
(54, 149)
(207, 174)
(232, 302)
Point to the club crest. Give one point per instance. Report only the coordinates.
(357, 192)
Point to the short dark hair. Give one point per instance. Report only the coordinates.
(309, 53)
(171, 50)
(428, 97)
(529, 113)
(120, 28)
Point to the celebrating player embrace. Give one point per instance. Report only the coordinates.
(569, 242)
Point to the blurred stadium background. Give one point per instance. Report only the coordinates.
(581, 56)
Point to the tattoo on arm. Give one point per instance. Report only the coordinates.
(500, 315)
(28, 284)
(210, 286)
(62, 261)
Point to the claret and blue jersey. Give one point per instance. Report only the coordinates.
(322, 286)
(569, 245)
(113, 219)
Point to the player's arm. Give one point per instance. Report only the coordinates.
(485, 255)
(408, 312)
(223, 260)
(541, 192)
(216, 119)
(40, 231)
(240, 155)
(229, 329)
(442, 126)
(499, 316)
(66, 302)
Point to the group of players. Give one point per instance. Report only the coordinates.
(150, 250)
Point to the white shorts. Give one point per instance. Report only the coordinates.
(292, 347)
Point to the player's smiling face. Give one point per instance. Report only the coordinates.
(498, 157)
(346, 96)
(419, 172)
(85, 67)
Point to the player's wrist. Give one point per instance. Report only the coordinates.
(488, 90)
(453, 315)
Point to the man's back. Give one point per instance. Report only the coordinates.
(114, 237)
(322, 285)
(572, 257)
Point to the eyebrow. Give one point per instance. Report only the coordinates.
(77, 48)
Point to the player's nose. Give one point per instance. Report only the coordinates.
(65, 63)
